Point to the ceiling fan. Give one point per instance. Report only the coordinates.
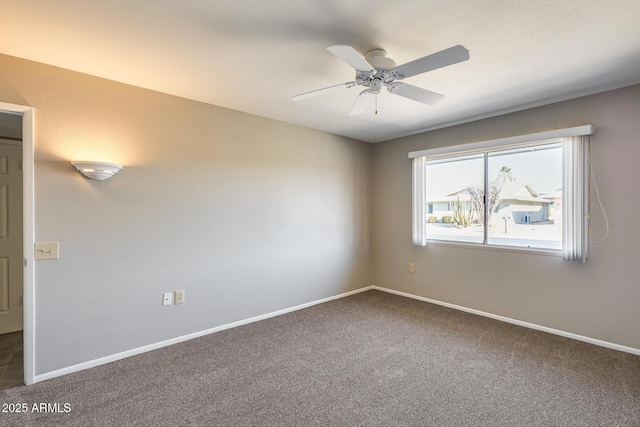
(376, 70)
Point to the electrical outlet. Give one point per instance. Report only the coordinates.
(410, 267)
(178, 296)
(167, 298)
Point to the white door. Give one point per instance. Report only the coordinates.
(11, 256)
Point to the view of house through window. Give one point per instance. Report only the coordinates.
(523, 196)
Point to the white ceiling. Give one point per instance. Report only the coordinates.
(253, 55)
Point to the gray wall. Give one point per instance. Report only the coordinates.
(246, 214)
(598, 299)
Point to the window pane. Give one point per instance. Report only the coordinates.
(454, 199)
(525, 197)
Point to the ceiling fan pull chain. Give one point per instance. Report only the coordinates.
(376, 103)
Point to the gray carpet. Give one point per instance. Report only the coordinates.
(372, 359)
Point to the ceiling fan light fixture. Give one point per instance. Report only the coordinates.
(375, 85)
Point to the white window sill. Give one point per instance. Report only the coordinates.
(514, 249)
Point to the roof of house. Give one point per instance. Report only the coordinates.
(520, 191)
(557, 194)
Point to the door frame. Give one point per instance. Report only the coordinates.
(29, 295)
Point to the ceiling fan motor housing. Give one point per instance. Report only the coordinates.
(378, 59)
(374, 80)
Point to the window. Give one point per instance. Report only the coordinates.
(450, 182)
(524, 196)
(523, 192)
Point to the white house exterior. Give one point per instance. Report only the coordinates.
(519, 202)
(522, 204)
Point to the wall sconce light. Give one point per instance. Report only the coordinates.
(97, 170)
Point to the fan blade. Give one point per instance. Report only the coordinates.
(351, 57)
(362, 102)
(323, 91)
(415, 93)
(446, 57)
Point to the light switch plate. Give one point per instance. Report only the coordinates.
(167, 298)
(46, 250)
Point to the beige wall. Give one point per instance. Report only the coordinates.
(246, 214)
(598, 299)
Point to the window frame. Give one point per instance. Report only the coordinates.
(420, 158)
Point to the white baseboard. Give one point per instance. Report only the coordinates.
(516, 322)
(155, 346)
